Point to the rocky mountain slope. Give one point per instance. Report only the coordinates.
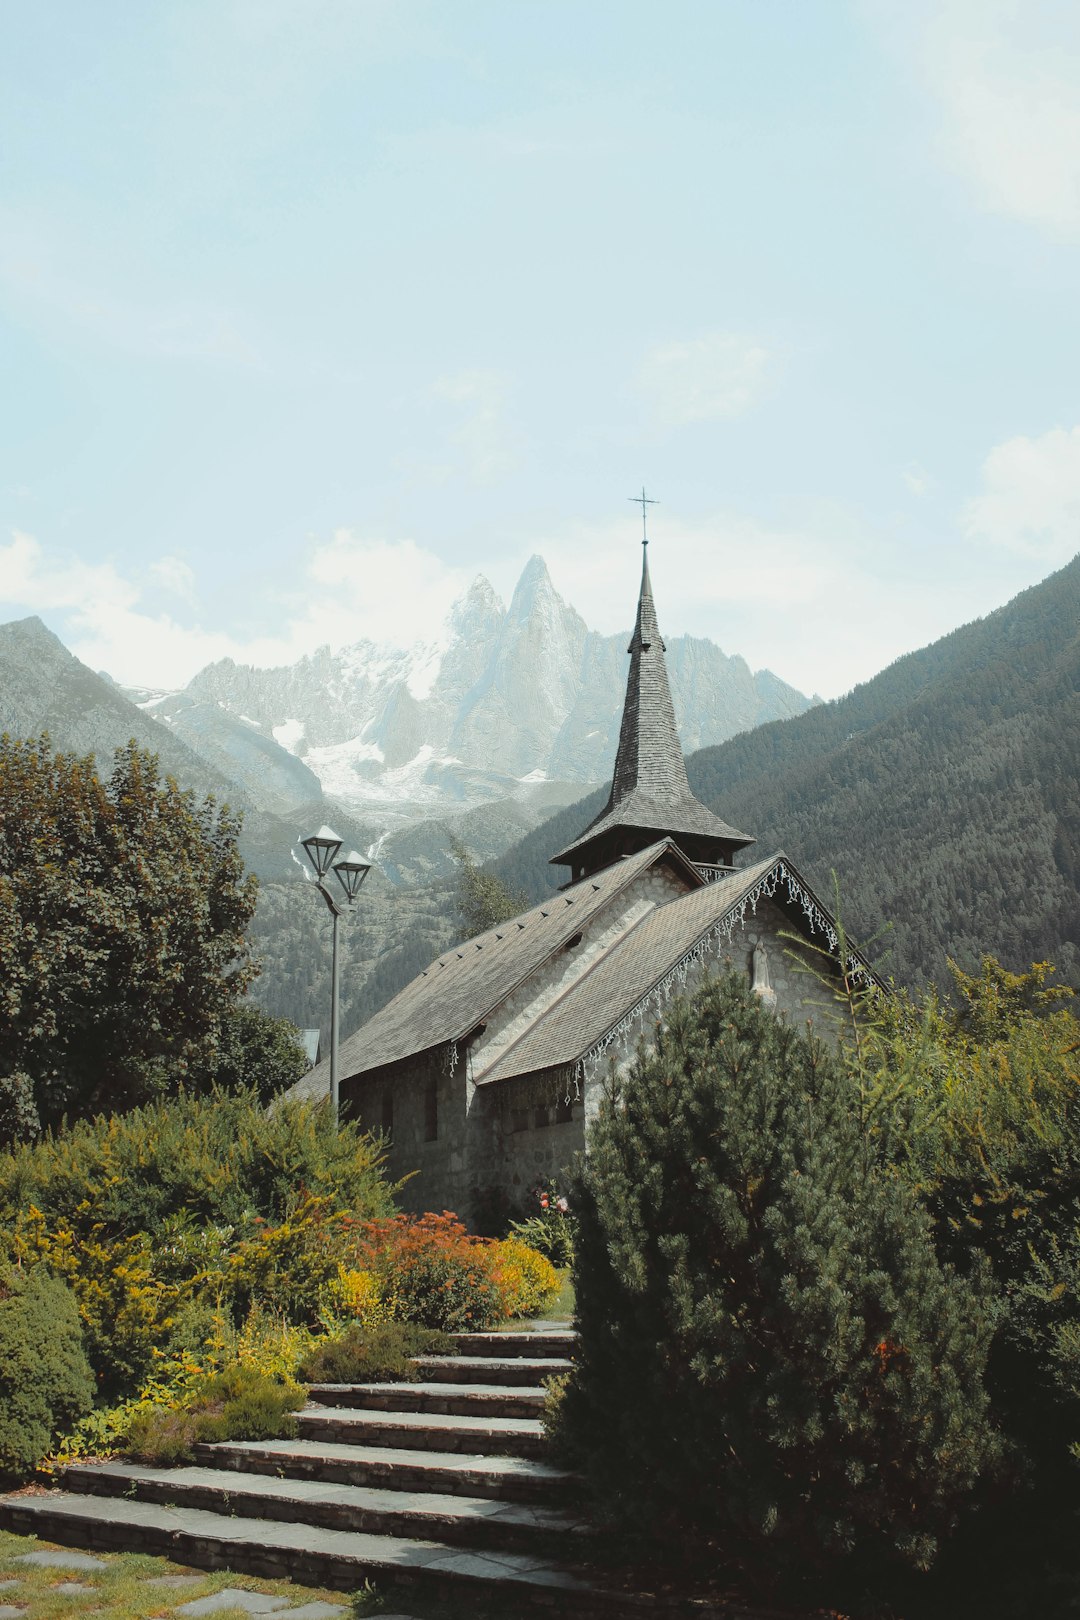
(509, 700)
(43, 687)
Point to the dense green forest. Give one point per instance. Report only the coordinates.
(944, 793)
(386, 940)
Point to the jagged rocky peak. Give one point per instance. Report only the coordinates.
(501, 700)
(481, 599)
(535, 593)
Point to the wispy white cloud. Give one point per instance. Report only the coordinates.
(1006, 77)
(352, 588)
(917, 479)
(1030, 499)
(480, 445)
(707, 378)
(176, 576)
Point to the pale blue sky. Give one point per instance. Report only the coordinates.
(312, 309)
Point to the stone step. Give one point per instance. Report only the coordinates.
(554, 1342)
(424, 1431)
(342, 1559)
(466, 1400)
(509, 1479)
(491, 1369)
(427, 1515)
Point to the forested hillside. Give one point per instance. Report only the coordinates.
(944, 793)
(386, 939)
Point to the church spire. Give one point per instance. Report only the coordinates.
(649, 757)
(650, 796)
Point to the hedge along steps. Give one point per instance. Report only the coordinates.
(477, 1400)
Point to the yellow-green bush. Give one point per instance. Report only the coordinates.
(526, 1279)
(265, 1344)
(124, 1309)
(162, 1218)
(239, 1403)
(217, 1160)
(290, 1266)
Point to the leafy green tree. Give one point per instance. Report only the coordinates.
(123, 917)
(257, 1052)
(992, 1084)
(483, 900)
(771, 1355)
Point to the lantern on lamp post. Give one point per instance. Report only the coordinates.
(321, 850)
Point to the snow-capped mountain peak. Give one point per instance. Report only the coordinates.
(503, 699)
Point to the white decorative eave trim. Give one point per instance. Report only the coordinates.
(722, 931)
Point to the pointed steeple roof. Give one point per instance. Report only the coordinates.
(650, 795)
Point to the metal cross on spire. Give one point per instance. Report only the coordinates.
(643, 501)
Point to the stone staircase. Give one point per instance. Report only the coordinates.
(439, 1486)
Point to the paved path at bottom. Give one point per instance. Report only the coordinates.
(171, 1590)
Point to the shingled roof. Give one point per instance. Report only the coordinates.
(641, 959)
(650, 795)
(461, 987)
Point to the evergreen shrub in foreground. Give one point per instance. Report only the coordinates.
(771, 1356)
(45, 1379)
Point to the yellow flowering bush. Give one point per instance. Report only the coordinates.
(124, 1308)
(291, 1264)
(354, 1296)
(525, 1279)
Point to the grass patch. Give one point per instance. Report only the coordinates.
(121, 1591)
(559, 1308)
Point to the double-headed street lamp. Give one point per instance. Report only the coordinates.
(321, 849)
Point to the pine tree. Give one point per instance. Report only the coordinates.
(483, 900)
(771, 1355)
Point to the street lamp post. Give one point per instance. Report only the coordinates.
(321, 849)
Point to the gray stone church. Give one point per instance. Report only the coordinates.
(486, 1070)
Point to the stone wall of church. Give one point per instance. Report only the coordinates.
(458, 1143)
(421, 1106)
(534, 1131)
(455, 1139)
(791, 967)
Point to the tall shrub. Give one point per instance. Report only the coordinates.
(771, 1355)
(218, 1159)
(989, 1085)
